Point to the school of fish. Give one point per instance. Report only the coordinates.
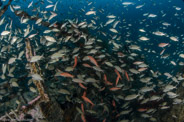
(88, 63)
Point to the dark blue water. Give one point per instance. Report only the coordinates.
(73, 9)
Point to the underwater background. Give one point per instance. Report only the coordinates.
(71, 9)
(155, 27)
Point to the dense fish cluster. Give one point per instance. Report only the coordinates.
(87, 66)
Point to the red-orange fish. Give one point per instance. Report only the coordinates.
(108, 83)
(105, 77)
(87, 65)
(82, 107)
(142, 109)
(104, 120)
(117, 79)
(113, 103)
(93, 61)
(87, 100)
(75, 62)
(118, 73)
(82, 86)
(114, 88)
(84, 94)
(83, 118)
(126, 74)
(65, 74)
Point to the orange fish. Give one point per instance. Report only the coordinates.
(65, 74)
(75, 62)
(113, 103)
(104, 120)
(87, 100)
(114, 88)
(82, 86)
(87, 65)
(83, 118)
(142, 109)
(126, 74)
(84, 94)
(93, 61)
(82, 107)
(105, 77)
(118, 73)
(117, 79)
(108, 83)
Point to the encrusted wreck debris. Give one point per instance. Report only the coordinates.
(41, 105)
